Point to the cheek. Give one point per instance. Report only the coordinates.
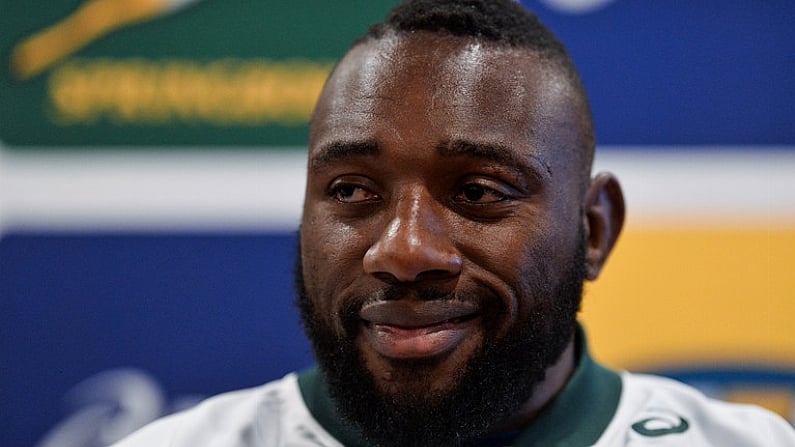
(331, 255)
(507, 258)
(340, 247)
(547, 264)
(523, 259)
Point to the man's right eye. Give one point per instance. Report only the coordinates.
(351, 193)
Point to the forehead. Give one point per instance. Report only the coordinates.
(424, 88)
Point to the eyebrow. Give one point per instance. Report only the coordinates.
(496, 153)
(492, 152)
(340, 150)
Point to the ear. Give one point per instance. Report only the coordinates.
(603, 220)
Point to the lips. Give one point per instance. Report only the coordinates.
(411, 329)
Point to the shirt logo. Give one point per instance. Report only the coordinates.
(662, 424)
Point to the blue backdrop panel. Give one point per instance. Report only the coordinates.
(685, 72)
(200, 313)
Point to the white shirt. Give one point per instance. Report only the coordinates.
(652, 411)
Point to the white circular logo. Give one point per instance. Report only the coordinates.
(576, 6)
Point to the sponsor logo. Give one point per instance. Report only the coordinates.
(576, 6)
(110, 405)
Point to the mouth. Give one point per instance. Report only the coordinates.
(408, 329)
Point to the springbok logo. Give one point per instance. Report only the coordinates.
(92, 20)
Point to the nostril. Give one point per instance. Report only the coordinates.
(434, 274)
(386, 277)
(428, 275)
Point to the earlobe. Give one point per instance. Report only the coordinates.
(603, 219)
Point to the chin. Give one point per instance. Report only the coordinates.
(420, 376)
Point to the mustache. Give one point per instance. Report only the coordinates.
(395, 292)
(349, 311)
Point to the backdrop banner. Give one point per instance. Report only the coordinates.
(152, 161)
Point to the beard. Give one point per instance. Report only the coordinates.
(496, 381)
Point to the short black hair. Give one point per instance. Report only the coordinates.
(502, 22)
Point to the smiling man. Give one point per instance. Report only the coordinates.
(449, 223)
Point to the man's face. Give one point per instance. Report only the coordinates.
(442, 229)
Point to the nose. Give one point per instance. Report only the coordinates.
(415, 244)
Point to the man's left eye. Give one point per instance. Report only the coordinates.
(476, 193)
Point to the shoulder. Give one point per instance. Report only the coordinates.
(662, 412)
(269, 415)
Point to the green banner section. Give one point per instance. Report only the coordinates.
(99, 73)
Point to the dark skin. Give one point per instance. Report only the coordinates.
(440, 163)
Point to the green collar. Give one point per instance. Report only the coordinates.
(316, 396)
(576, 417)
(580, 413)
